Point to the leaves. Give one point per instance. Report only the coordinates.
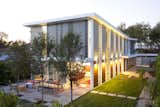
(64, 53)
(7, 100)
(20, 58)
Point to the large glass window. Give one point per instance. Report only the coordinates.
(132, 47)
(125, 46)
(112, 41)
(120, 44)
(104, 40)
(117, 43)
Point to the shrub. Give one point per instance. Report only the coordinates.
(56, 104)
(156, 88)
(8, 100)
(141, 72)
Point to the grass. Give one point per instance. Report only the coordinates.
(121, 84)
(124, 85)
(95, 100)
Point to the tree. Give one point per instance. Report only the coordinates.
(8, 100)
(122, 27)
(3, 73)
(155, 36)
(63, 57)
(140, 31)
(41, 47)
(3, 37)
(19, 60)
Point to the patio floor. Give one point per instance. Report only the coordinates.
(63, 97)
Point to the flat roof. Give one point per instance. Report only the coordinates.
(79, 17)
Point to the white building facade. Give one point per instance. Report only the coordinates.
(109, 52)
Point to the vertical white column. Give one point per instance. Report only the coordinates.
(122, 46)
(91, 50)
(122, 63)
(108, 51)
(46, 68)
(100, 55)
(114, 39)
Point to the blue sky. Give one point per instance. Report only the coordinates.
(14, 13)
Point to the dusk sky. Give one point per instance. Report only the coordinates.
(14, 13)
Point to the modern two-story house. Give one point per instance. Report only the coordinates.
(107, 51)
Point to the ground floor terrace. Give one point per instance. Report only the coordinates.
(51, 94)
(98, 72)
(125, 90)
(117, 92)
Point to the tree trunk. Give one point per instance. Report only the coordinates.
(42, 82)
(71, 91)
(31, 75)
(42, 88)
(18, 85)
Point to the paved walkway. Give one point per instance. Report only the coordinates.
(144, 99)
(145, 96)
(114, 95)
(63, 97)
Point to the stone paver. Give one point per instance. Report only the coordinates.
(114, 95)
(144, 98)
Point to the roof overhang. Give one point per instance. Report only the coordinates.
(78, 18)
(140, 55)
(129, 56)
(147, 55)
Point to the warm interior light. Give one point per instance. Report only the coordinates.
(95, 67)
(87, 68)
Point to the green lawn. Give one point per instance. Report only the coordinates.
(123, 85)
(95, 100)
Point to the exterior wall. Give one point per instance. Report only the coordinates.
(105, 46)
(108, 49)
(35, 32)
(57, 31)
(130, 63)
(145, 60)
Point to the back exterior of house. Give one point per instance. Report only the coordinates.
(106, 51)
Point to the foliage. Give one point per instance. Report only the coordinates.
(141, 72)
(140, 31)
(3, 35)
(3, 43)
(56, 104)
(64, 55)
(41, 47)
(7, 100)
(38, 46)
(157, 101)
(155, 36)
(4, 74)
(20, 58)
(155, 88)
(145, 34)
